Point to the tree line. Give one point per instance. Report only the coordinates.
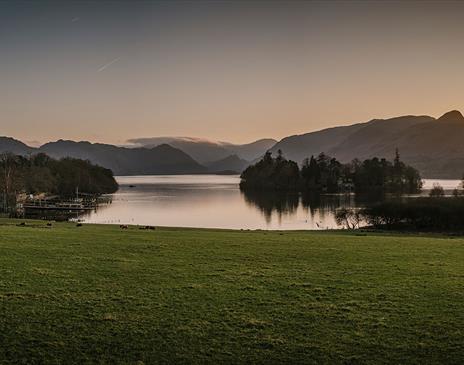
(437, 212)
(325, 174)
(43, 174)
(419, 214)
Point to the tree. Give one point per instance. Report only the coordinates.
(271, 174)
(348, 218)
(310, 174)
(324, 174)
(382, 176)
(437, 191)
(42, 174)
(10, 179)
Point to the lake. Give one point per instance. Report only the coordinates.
(215, 201)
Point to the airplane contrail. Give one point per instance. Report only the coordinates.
(108, 64)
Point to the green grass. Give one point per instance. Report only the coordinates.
(99, 294)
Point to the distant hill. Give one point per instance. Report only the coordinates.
(158, 159)
(346, 142)
(376, 136)
(251, 151)
(206, 152)
(8, 144)
(230, 163)
(434, 146)
(163, 159)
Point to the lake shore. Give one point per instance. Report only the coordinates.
(99, 293)
(200, 201)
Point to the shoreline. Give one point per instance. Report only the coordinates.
(360, 232)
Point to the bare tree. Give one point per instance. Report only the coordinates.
(349, 218)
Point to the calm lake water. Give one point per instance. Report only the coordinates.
(215, 201)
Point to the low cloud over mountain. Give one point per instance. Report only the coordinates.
(206, 152)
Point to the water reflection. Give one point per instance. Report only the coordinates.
(320, 209)
(213, 201)
(268, 203)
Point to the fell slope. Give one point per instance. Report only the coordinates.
(434, 146)
(163, 159)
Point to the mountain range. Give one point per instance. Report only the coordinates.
(208, 152)
(153, 158)
(433, 145)
(162, 159)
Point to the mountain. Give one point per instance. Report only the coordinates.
(8, 144)
(201, 150)
(376, 138)
(434, 146)
(231, 163)
(206, 152)
(298, 147)
(340, 141)
(162, 159)
(250, 151)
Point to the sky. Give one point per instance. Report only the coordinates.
(109, 71)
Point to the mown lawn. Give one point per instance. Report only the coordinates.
(99, 294)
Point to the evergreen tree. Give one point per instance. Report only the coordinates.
(325, 174)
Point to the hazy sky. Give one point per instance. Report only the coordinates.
(235, 71)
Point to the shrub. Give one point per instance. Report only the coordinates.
(438, 214)
(437, 191)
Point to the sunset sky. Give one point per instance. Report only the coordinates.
(233, 71)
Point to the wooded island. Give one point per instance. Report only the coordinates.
(325, 174)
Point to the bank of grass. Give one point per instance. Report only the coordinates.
(99, 294)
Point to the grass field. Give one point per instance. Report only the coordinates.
(99, 294)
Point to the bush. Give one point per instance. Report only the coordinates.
(349, 218)
(438, 214)
(437, 191)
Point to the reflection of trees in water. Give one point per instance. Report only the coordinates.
(287, 203)
(326, 204)
(269, 202)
